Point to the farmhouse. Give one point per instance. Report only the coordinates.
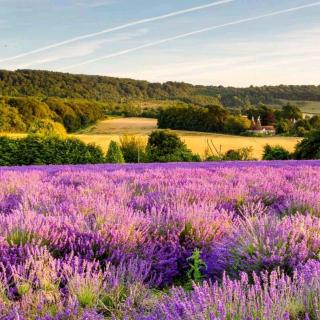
(258, 129)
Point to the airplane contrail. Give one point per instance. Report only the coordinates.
(124, 26)
(185, 35)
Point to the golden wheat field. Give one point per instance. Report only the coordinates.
(112, 129)
(105, 131)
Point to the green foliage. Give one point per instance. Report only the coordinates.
(18, 114)
(309, 147)
(47, 128)
(236, 125)
(166, 146)
(215, 154)
(99, 88)
(87, 297)
(298, 128)
(133, 148)
(30, 109)
(315, 122)
(283, 126)
(23, 289)
(195, 267)
(266, 114)
(114, 153)
(301, 128)
(193, 118)
(10, 119)
(241, 154)
(291, 112)
(275, 153)
(47, 150)
(77, 101)
(19, 237)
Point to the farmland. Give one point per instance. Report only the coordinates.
(237, 240)
(112, 129)
(307, 107)
(105, 131)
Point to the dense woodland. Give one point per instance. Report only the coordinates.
(101, 88)
(17, 114)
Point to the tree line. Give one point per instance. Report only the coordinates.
(162, 146)
(101, 88)
(215, 118)
(211, 118)
(43, 148)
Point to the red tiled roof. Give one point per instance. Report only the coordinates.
(268, 127)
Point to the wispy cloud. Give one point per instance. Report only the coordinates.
(124, 26)
(259, 62)
(189, 34)
(78, 50)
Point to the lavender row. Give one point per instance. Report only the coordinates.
(95, 242)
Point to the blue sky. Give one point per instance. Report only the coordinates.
(279, 49)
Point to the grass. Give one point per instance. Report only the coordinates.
(307, 107)
(112, 129)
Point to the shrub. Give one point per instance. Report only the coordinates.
(309, 147)
(133, 148)
(166, 146)
(47, 150)
(275, 153)
(114, 153)
(264, 241)
(242, 154)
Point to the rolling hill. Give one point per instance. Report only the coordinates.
(102, 88)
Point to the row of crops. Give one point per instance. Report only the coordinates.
(217, 241)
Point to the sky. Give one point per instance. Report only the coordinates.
(218, 42)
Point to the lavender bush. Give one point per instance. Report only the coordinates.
(115, 241)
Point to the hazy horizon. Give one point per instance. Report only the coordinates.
(229, 42)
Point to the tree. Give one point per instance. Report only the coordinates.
(166, 146)
(315, 122)
(275, 153)
(47, 128)
(291, 112)
(10, 119)
(266, 114)
(283, 126)
(236, 124)
(133, 148)
(114, 154)
(309, 147)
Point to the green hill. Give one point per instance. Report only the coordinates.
(101, 88)
(77, 101)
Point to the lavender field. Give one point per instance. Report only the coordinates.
(219, 241)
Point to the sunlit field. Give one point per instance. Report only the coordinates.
(182, 241)
(105, 131)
